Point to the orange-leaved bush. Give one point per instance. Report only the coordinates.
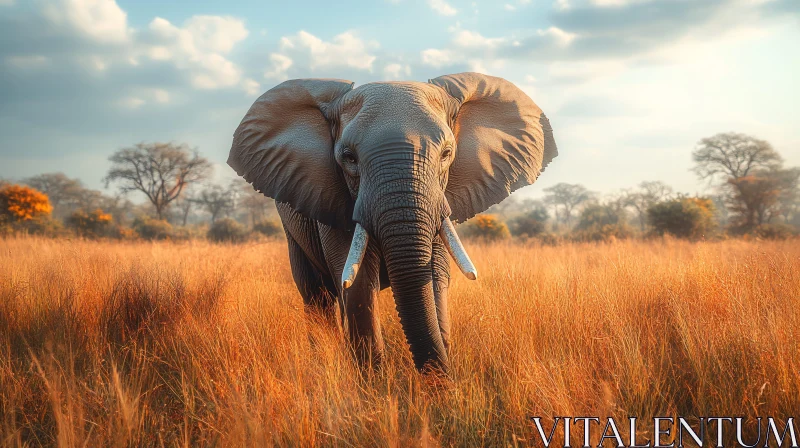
(91, 224)
(20, 203)
(488, 227)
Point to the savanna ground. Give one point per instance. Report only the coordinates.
(142, 344)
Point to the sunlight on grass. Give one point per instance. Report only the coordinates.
(105, 343)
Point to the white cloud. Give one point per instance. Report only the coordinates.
(479, 52)
(616, 3)
(344, 50)
(395, 71)
(101, 20)
(280, 64)
(471, 39)
(487, 66)
(145, 96)
(442, 7)
(161, 96)
(251, 86)
(32, 61)
(437, 58)
(214, 33)
(159, 53)
(562, 5)
(509, 7)
(560, 37)
(97, 63)
(199, 48)
(584, 70)
(131, 102)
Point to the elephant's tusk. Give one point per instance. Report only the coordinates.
(357, 250)
(456, 249)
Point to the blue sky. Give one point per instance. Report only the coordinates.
(630, 86)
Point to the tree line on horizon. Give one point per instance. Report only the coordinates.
(753, 194)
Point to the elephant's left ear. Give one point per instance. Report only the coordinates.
(503, 142)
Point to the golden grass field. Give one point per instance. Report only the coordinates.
(151, 344)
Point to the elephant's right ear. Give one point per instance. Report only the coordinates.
(284, 148)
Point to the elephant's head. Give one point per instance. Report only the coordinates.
(396, 161)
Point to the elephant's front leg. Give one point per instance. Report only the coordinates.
(360, 301)
(441, 283)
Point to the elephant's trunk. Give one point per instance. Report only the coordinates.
(401, 206)
(407, 248)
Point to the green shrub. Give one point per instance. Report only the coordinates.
(549, 239)
(40, 225)
(691, 218)
(227, 230)
(601, 223)
(268, 228)
(487, 227)
(530, 224)
(774, 231)
(526, 226)
(153, 229)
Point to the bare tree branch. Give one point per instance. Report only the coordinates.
(159, 170)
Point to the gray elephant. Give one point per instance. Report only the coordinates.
(368, 179)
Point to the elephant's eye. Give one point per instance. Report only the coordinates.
(447, 153)
(349, 157)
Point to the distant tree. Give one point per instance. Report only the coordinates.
(788, 206)
(602, 222)
(217, 201)
(647, 194)
(62, 191)
(532, 222)
(732, 155)
(184, 205)
(721, 210)
(255, 205)
(159, 170)
(758, 198)
(119, 207)
(682, 217)
(21, 203)
(753, 181)
(87, 199)
(568, 197)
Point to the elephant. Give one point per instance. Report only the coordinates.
(368, 181)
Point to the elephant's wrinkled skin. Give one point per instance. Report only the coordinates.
(396, 159)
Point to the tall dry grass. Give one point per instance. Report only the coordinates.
(134, 344)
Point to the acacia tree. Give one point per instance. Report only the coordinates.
(159, 170)
(568, 197)
(732, 155)
(751, 172)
